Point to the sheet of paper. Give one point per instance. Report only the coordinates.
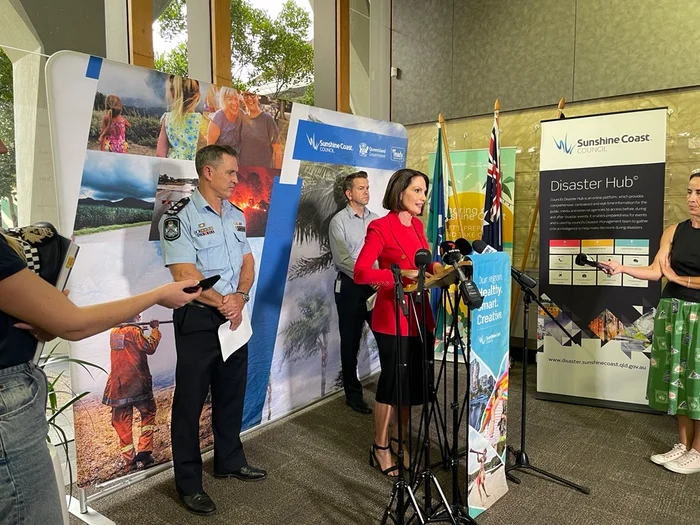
(371, 300)
(232, 340)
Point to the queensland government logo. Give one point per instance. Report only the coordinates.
(364, 149)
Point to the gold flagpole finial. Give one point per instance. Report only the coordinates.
(497, 106)
(561, 105)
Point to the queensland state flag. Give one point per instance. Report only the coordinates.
(492, 233)
(437, 217)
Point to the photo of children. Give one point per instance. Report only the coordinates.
(181, 126)
(113, 134)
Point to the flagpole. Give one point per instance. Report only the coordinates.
(535, 214)
(446, 146)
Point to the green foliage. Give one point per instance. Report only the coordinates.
(262, 49)
(143, 131)
(173, 21)
(8, 169)
(285, 56)
(6, 93)
(173, 62)
(308, 96)
(88, 216)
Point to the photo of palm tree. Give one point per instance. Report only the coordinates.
(307, 352)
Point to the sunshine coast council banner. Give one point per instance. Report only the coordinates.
(124, 147)
(601, 195)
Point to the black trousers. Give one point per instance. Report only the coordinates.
(199, 366)
(351, 301)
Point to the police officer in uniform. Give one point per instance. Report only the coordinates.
(202, 236)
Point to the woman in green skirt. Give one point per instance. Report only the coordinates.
(674, 371)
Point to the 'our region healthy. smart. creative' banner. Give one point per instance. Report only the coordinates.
(124, 140)
(488, 399)
(601, 195)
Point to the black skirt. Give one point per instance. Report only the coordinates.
(412, 356)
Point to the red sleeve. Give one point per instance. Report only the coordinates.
(364, 272)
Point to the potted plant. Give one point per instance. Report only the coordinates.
(54, 409)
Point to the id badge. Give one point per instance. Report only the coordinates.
(338, 283)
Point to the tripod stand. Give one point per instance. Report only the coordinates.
(522, 461)
(426, 475)
(401, 488)
(459, 511)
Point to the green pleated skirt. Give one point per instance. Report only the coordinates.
(674, 371)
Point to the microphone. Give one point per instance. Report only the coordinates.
(521, 278)
(451, 255)
(422, 259)
(583, 260)
(464, 247)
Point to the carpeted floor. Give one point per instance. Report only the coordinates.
(318, 472)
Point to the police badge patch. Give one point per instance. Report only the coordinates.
(171, 229)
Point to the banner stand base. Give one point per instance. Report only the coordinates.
(90, 516)
(600, 403)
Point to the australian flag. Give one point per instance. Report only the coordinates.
(492, 233)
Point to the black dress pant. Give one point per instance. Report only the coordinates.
(199, 366)
(351, 301)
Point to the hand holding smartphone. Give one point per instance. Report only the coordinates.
(204, 284)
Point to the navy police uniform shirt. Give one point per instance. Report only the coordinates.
(192, 232)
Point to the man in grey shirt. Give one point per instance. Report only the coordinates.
(347, 232)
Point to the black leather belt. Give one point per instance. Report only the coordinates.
(201, 305)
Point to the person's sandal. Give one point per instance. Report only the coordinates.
(374, 462)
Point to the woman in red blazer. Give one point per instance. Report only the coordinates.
(394, 239)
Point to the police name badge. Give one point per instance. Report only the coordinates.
(171, 229)
(239, 226)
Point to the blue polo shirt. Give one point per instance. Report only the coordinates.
(214, 243)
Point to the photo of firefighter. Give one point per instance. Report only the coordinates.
(130, 386)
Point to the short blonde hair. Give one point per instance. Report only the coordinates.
(226, 92)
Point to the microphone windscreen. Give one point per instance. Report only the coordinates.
(423, 257)
(479, 245)
(464, 246)
(449, 252)
(581, 259)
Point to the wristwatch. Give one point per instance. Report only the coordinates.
(246, 297)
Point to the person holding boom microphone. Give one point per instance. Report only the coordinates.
(33, 310)
(674, 370)
(394, 239)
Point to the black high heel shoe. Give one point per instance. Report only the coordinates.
(374, 462)
(407, 459)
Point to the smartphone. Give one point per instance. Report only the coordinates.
(204, 284)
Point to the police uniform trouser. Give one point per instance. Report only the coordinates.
(199, 365)
(351, 302)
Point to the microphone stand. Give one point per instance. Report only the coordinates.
(460, 511)
(427, 476)
(522, 461)
(401, 488)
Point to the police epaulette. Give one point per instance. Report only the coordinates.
(177, 207)
(239, 209)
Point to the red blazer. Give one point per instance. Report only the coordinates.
(390, 242)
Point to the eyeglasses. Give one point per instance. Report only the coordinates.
(249, 95)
